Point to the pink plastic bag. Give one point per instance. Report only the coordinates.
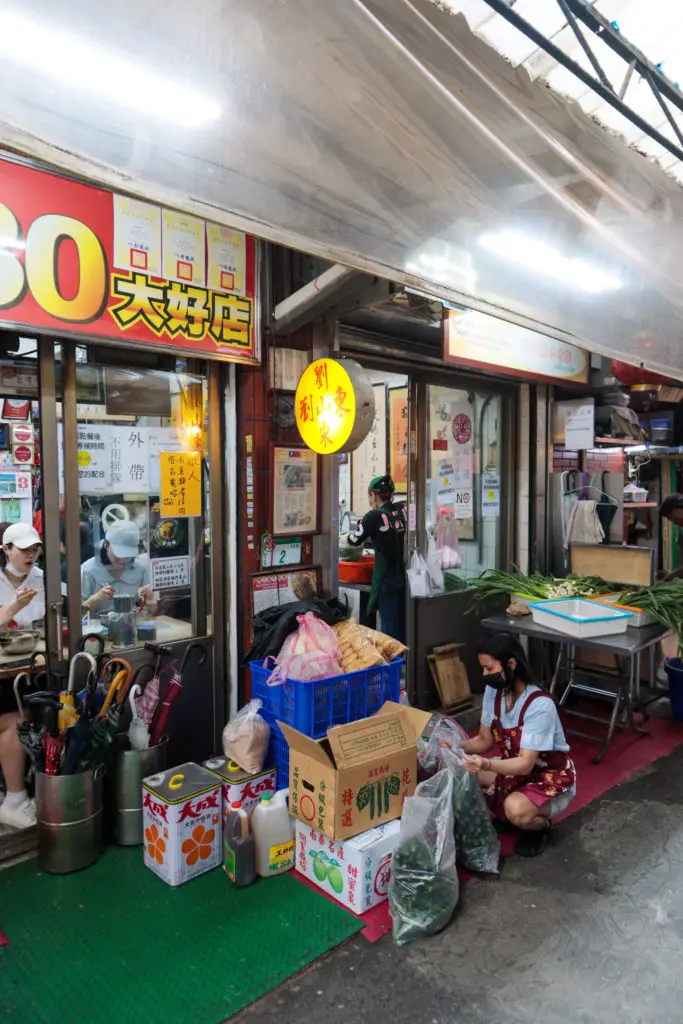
(310, 653)
(446, 538)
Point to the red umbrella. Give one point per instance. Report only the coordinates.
(146, 705)
(53, 742)
(174, 687)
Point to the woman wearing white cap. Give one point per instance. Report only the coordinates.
(115, 570)
(22, 589)
(22, 601)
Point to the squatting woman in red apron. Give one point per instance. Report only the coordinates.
(534, 779)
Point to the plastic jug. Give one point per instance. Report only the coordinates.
(274, 834)
(240, 847)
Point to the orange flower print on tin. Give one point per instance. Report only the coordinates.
(156, 847)
(198, 845)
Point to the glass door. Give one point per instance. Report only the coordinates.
(133, 467)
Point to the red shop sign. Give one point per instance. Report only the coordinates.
(58, 272)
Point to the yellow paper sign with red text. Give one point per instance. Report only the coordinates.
(181, 484)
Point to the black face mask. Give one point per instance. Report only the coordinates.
(497, 680)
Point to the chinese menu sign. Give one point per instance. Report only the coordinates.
(398, 441)
(113, 458)
(170, 572)
(370, 459)
(477, 339)
(80, 259)
(325, 406)
(181, 484)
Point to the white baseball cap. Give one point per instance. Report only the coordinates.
(124, 539)
(21, 535)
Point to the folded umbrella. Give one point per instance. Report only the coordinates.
(138, 733)
(146, 704)
(53, 742)
(117, 691)
(70, 712)
(175, 685)
(79, 737)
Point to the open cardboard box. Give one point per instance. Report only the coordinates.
(358, 776)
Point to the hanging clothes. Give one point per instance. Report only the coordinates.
(584, 526)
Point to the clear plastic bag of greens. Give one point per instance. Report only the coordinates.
(424, 888)
(476, 841)
(440, 735)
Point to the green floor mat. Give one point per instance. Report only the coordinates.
(115, 945)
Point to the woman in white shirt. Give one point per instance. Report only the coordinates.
(22, 601)
(22, 589)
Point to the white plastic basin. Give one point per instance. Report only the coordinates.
(577, 617)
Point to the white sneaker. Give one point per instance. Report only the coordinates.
(21, 816)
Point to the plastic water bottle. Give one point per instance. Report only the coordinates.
(274, 834)
(240, 847)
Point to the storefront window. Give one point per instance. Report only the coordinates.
(143, 488)
(463, 499)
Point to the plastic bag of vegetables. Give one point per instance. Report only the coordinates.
(424, 888)
(476, 840)
(440, 734)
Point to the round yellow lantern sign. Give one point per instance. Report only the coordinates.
(335, 406)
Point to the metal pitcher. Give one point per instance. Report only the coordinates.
(70, 820)
(130, 767)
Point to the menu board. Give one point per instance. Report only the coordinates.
(398, 438)
(370, 458)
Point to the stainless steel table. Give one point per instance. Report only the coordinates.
(626, 649)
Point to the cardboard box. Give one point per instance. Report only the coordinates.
(181, 817)
(240, 785)
(355, 872)
(358, 776)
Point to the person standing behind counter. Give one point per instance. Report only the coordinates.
(385, 528)
(115, 570)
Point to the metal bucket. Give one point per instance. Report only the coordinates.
(70, 820)
(130, 767)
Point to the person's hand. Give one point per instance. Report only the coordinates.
(106, 593)
(474, 763)
(145, 592)
(23, 597)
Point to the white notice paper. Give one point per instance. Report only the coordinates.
(490, 493)
(137, 236)
(170, 572)
(463, 504)
(579, 429)
(183, 248)
(446, 484)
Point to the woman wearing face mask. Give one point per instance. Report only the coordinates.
(115, 570)
(534, 779)
(22, 591)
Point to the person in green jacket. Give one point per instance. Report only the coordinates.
(384, 527)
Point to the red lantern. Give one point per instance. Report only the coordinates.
(633, 375)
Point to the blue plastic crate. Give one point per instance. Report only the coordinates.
(278, 753)
(314, 707)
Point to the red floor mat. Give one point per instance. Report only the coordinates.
(626, 755)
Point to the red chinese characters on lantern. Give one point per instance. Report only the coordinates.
(306, 408)
(339, 399)
(325, 435)
(321, 378)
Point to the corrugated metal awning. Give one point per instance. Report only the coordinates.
(381, 134)
(655, 27)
